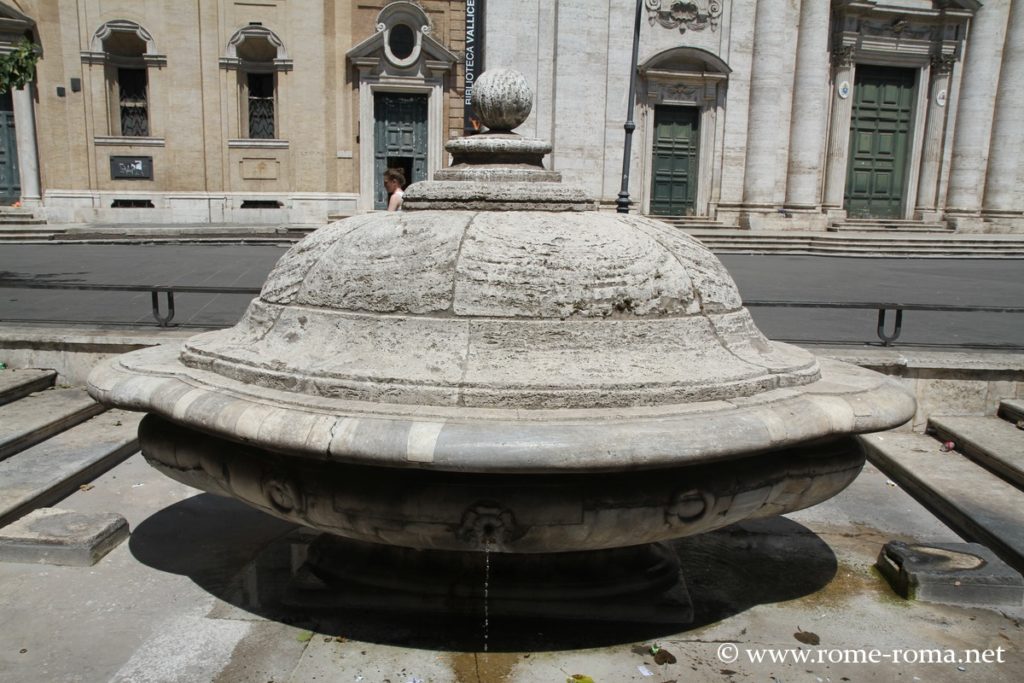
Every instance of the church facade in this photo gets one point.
(782, 114)
(263, 111)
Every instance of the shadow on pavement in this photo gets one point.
(256, 562)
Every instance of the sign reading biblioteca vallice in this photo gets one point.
(474, 61)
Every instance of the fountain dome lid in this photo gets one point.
(501, 323)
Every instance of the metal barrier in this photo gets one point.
(162, 319)
(883, 310)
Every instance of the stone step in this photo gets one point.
(989, 441)
(974, 502)
(863, 248)
(889, 226)
(47, 472)
(15, 384)
(37, 417)
(1011, 409)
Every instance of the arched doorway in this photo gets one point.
(684, 93)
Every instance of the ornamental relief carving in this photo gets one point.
(898, 28)
(695, 15)
(943, 64)
(682, 91)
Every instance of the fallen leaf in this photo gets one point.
(807, 637)
(86, 487)
(579, 678)
(305, 637)
(663, 656)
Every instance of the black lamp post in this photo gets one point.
(623, 201)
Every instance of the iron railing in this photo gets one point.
(164, 319)
(883, 311)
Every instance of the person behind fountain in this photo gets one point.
(394, 181)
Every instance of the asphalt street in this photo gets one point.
(773, 277)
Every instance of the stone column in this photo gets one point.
(28, 156)
(839, 127)
(810, 108)
(767, 92)
(934, 134)
(1002, 189)
(975, 108)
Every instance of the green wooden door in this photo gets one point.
(674, 190)
(10, 180)
(400, 139)
(879, 142)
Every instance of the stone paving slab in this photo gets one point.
(45, 473)
(991, 441)
(35, 418)
(15, 383)
(977, 503)
(62, 537)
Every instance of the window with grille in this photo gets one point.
(131, 85)
(261, 105)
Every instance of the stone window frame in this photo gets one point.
(239, 134)
(148, 60)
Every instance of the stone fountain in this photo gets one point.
(501, 367)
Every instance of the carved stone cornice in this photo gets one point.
(695, 15)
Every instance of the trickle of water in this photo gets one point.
(487, 588)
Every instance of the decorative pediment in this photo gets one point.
(402, 45)
(13, 21)
(256, 48)
(121, 40)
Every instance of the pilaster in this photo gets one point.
(839, 129)
(973, 130)
(810, 108)
(767, 92)
(28, 155)
(1003, 193)
(934, 136)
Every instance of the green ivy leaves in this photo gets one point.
(18, 67)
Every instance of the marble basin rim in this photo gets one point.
(846, 400)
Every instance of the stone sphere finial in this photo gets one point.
(502, 99)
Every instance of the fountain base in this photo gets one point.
(640, 584)
(527, 514)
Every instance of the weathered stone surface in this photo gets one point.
(991, 441)
(48, 471)
(502, 99)
(503, 439)
(55, 536)
(973, 501)
(514, 362)
(15, 384)
(500, 189)
(530, 513)
(37, 417)
(958, 573)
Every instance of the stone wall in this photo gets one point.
(774, 83)
(205, 165)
